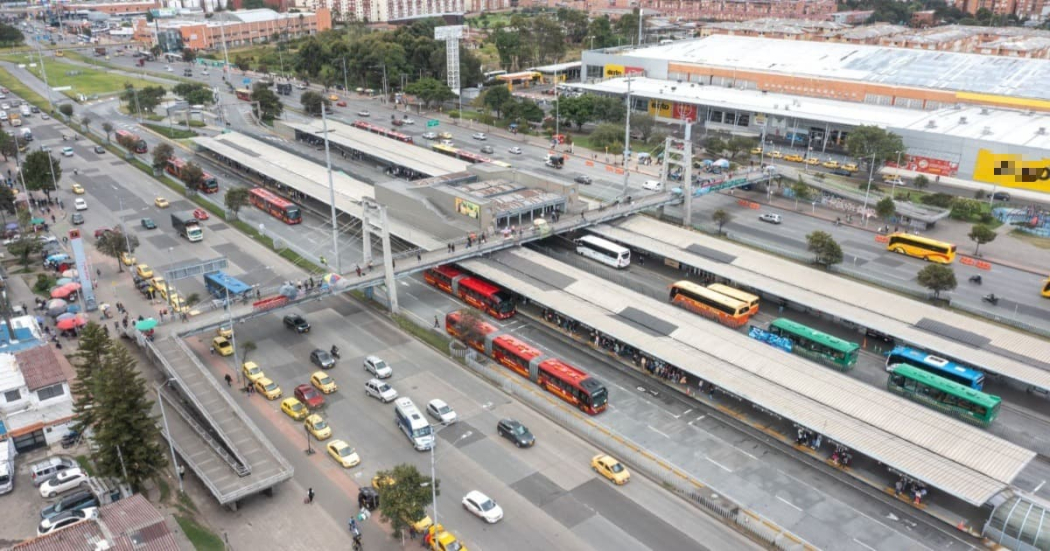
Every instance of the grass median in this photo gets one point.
(80, 79)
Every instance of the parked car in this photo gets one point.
(73, 502)
(63, 482)
(65, 520)
(46, 469)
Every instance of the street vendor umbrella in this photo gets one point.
(331, 279)
(66, 316)
(69, 273)
(61, 292)
(11, 226)
(56, 303)
(67, 324)
(74, 308)
(62, 281)
(146, 324)
(288, 290)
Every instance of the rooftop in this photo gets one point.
(27, 334)
(131, 524)
(10, 376)
(43, 366)
(984, 74)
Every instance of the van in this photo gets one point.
(27, 135)
(7, 466)
(45, 470)
(26, 111)
(411, 422)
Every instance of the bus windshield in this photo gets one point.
(599, 398)
(504, 303)
(293, 213)
(424, 431)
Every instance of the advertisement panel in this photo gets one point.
(466, 208)
(660, 108)
(685, 111)
(927, 165)
(613, 71)
(1011, 170)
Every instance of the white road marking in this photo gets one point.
(866, 546)
(657, 432)
(723, 467)
(796, 507)
(744, 452)
(1039, 487)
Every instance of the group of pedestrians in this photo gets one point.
(917, 490)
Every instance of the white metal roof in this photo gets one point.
(855, 302)
(413, 157)
(946, 453)
(309, 178)
(934, 69)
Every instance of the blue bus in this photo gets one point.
(938, 366)
(221, 285)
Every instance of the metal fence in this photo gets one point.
(714, 501)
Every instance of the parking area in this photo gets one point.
(20, 509)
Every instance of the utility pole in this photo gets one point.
(640, 19)
(225, 52)
(43, 71)
(557, 105)
(386, 92)
(346, 83)
(871, 174)
(627, 138)
(331, 190)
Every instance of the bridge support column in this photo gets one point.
(388, 262)
(679, 154)
(366, 233)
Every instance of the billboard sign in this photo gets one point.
(1011, 170)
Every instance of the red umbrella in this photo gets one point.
(67, 324)
(63, 291)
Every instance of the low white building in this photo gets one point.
(36, 405)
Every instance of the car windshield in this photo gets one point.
(346, 451)
(487, 505)
(616, 468)
(380, 364)
(297, 406)
(519, 430)
(384, 388)
(325, 381)
(309, 394)
(444, 409)
(320, 424)
(271, 386)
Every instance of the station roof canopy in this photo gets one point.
(558, 67)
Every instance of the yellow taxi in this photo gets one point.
(421, 525)
(317, 426)
(890, 178)
(343, 454)
(294, 408)
(225, 331)
(127, 259)
(379, 481)
(268, 388)
(144, 271)
(812, 161)
(58, 53)
(161, 286)
(610, 468)
(776, 155)
(333, 97)
(756, 150)
(77, 189)
(161, 202)
(830, 164)
(222, 346)
(177, 304)
(323, 382)
(445, 135)
(443, 540)
(852, 167)
(252, 371)
(793, 158)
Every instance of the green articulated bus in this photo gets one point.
(972, 406)
(816, 345)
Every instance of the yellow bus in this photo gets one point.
(446, 149)
(710, 304)
(1046, 288)
(731, 292)
(927, 249)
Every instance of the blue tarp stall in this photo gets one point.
(221, 285)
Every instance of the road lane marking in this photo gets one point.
(657, 432)
(723, 467)
(1039, 487)
(797, 508)
(864, 544)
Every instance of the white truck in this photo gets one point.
(187, 226)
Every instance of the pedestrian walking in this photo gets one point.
(358, 269)
(310, 495)
(229, 380)
(436, 323)
(182, 472)
(419, 257)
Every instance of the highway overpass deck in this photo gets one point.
(945, 453)
(275, 167)
(416, 159)
(985, 346)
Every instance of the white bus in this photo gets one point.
(413, 424)
(603, 251)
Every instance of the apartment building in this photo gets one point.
(237, 28)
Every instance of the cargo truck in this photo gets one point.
(187, 226)
(14, 118)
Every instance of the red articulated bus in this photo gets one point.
(556, 376)
(278, 207)
(475, 291)
(243, 94)
(131, 141)
(208, 183)
(376, 129)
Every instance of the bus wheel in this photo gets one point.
(898, 250)
(925, 259)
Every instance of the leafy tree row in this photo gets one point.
(10, 36)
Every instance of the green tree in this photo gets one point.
(826, 251)
(966, 209)
(981, 234)
(312, 102)
(523, 110)
(241, 63)
(92, 347)
(126, 432)
(189, 55)
(608, 136)
(496, 99)
(577, 110)
(865, 141)
(885, 208)
(10, 35)
(86, 121)
(937, 278)
(721, 217)
(430, 91)
(608, 108)
(7, 145)
(107, 127)
(643, 124)
(66, 109)
(147, 99)
(328, 76)
(192, 175)
(235, 199)
(41, 171)
(942, 200)
(161, 154)
(716, 146)
(27, 244)
(405, 495)
(801, 191)
(600, 33)
(194, 93)
(921, 181)
(269, 106)
(113, 244)
(7, 202)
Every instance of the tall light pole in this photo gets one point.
(871, 174)
(346, 83)
(557, 105)
(43, 71)
(225, 52)
(893, 188)
(331, 190)
(627, 138)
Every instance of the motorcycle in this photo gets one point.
(975, 279)
(334, 352)
(994, 300)
(72, 438)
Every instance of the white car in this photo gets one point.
(483, 507)
(67, 151)
(380, 390)
(514, 150)
(301, 86)
(441, 411)
(480, 136)
(430, 135)
(205, 72)
(363, 114)
(80, 204)
(65, 520)
(63, 482)
(376, 366)
(449, 143)
(770, 217)
(409, 121)
(653, 185)
(169, 69)
(5, 106)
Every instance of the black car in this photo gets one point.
(841, 172)
(322, 359)
(74, 502)
(297, 322)
(368, 498)
(76, 218)
(581, 179)
(148, 224)
(515, 432)
(1001, 196)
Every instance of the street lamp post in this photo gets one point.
(331, 191)
(627, 138)
(346, 82)
(43, 71)
(557, 105)
(893, 188)
(871, 174)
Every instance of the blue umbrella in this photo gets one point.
(73, 308)
(65, 316)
